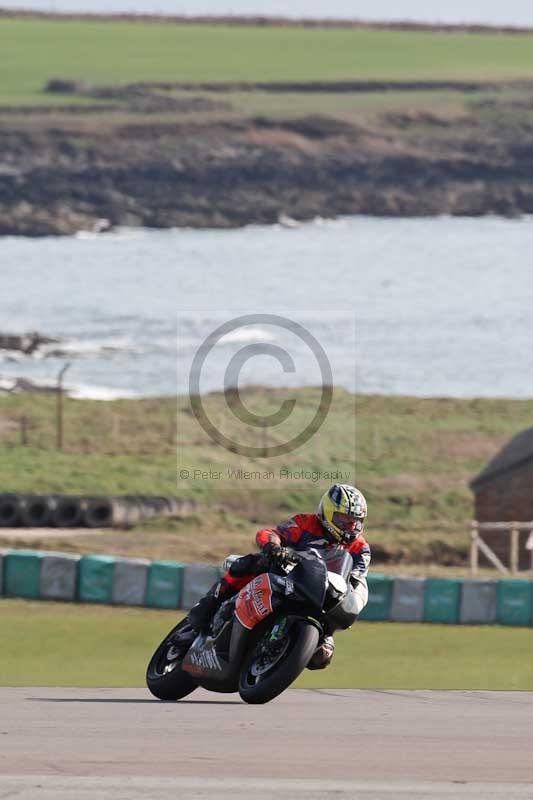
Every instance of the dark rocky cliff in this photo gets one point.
(228, 173)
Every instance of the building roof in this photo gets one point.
(518, 452)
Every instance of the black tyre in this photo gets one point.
(164, 676)
(268, 669)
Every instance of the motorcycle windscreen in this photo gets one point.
(254, 602)
(338, 560)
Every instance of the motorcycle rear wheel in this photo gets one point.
(164, 677)
(260, 681)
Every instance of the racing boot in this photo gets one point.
(322, 656)
(240, 571)
(203, 612)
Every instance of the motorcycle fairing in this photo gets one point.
(310, 579)
(254, 601)
(214, 659)
(209, 663)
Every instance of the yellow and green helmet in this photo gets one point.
(342, 512)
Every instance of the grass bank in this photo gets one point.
(34, 50)
(91, 646)
(412, 457)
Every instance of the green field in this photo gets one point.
(34, 50)
(49, 644)
(412, 457)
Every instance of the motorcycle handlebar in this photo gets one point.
(289, 557)
(285, 557)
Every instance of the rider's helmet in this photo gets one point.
(342, 511)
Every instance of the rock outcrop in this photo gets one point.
(26, 343)
(235, 171)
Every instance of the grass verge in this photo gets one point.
(412, 457)
(76, 645)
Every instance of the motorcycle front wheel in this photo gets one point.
(272, 665)
(164, 677)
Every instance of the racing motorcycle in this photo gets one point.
(261, 639)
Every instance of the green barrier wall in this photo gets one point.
(130, 581)
(514, 602)
(407, 600)
(379, 598)
(478, 601)
(22, 573)
(59, 576)
(442, 600)
(96, 579)
(445, 600)
(165, 584)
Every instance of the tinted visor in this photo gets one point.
(347, 523)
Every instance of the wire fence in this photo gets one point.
(54, 422)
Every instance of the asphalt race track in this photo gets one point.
(95, 744)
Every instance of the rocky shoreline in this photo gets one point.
(58, 177)
(26, 343)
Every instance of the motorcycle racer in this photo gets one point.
(339, 520)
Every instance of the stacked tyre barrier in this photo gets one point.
(113, 580)
(71, 511)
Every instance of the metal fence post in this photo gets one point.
(474, 549)
(60, 406)
(514, 543)
(24, 430)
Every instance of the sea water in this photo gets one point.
(427, 307)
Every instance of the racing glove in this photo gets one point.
(276, 552)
